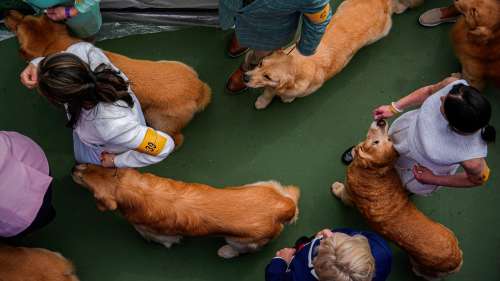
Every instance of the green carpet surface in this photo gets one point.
(231, 143)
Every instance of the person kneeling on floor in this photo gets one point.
(339, 254)
(25, 186)
(108, 124)
(450, 130)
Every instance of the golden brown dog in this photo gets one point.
(170, 92)
(355, 24)
(476, 40)
(34, 264)
(163, 210)
(374, 187)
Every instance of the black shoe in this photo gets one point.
(347, 156)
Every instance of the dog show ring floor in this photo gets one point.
(231, 143)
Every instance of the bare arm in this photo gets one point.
(475, 173)
(415, 98)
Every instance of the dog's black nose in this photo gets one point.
(381, 123)
(246, 78)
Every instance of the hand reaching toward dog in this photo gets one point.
(382, 112)
(286, 254)
(29, 76)
(59, 13)
(423, 174)
(108, 160)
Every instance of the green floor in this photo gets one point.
(231, 143)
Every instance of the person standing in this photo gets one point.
(262, 26)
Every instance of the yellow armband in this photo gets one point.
(320, 16)
(153, 143)
(485, 175)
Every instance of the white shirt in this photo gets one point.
(115, 127)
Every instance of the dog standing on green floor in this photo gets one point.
(163, 210)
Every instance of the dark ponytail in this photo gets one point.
(65, 79)
(468, 111)
(489, 134)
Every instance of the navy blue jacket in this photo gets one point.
(301, 267)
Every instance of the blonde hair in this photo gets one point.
(344, 258)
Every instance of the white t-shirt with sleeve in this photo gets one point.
(115, 127)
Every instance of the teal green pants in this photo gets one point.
(84, 25)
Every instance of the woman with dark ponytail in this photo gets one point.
(107, 121)
(450, 129)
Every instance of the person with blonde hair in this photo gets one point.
(333, 255)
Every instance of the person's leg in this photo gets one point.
(236, 82)
(438, 16)
(86, 25)
(234, 48)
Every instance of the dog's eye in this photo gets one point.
(267, 77)
(376, 142)
(260, 63)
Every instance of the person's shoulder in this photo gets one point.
(110, 119)
(112, 110)
(80, 46)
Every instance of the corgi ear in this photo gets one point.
(284, 82)
(362, 158)
(12, 20)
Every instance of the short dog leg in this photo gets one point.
(235, 247)
(168, 241)
(398, 7)
(179, 140)
(287, 100)
(165, 240)
(227, 252)
(339, 190)
(143, 233)
(265, 99)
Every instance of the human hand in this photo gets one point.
(108, 160)
(57, 13)
(423, 174)
(325, 233)
(286, 254)
(29, 76)
(382, 112)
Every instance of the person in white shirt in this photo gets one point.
(450, 130)
(107, 121)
